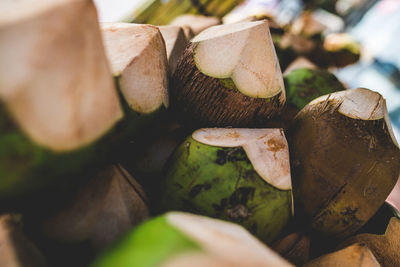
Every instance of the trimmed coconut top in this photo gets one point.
(197, 23)
(267, 150)
(55, 80)
(243, 52)
(173, 36)
(228, 242)
(175, 43)
(362, 104)
(137, 55)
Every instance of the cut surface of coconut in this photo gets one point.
(362, 104)
(138, 58)
(55, 74)
(267, 150)
(197, 23)
(175, 43)
(243, 52)
(227, 241)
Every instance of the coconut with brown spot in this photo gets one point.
(179, 239)
(56, 92)
(239, 175)
(229, 75)
(345, 160)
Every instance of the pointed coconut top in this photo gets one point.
(362, 104)
(267, 150)
(137, 56)
(55, 80)
(175, 42)
(231, 244)
(243, 52)
(197, 23)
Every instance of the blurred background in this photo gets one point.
(375, 24)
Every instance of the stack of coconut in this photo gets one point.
(192, 131)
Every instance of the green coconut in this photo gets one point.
(138, 60)
(345, 160)
(51, 89)
(239, 175)
(182, 239)
(304, 85)
(219, 81)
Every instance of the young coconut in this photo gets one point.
(179, 239)
(355, 255)
(219, 81)
(139, 64)
(304, 85)
(175, 42)
(108, 205)
(239, 175)
(385, 247)
(16, 249)
(345, 160)
(197, 23)
(54, 79)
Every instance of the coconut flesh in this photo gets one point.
(337, 188)
(265, 149)
(175, 43)
(242, 52)
(53, 83)
(138, 60)
(223, 244)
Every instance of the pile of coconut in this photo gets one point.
(126, 144)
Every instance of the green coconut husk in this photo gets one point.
(221, 182)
